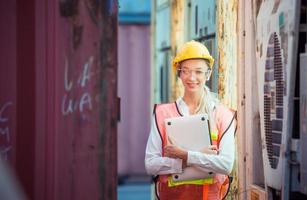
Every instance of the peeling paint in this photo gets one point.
(258, 4)
(276, 5)
(177, 39)
(227, 51)
(69, 9)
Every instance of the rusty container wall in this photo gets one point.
(76, 145)
(58, 97)
(85, 100)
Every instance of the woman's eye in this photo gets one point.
(199, 72)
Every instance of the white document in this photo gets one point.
(191, 133)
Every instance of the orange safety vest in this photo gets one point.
(219, 187)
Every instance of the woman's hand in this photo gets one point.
(173, 151)
(212, 149)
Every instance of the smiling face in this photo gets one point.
(193, 73)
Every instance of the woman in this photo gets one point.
(193, 65)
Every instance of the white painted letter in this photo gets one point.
(2, 118)
(85, 99)
(69, 106)
(67, 85)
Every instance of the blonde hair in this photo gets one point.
(207, 104)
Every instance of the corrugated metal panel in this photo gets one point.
(8, 81)
(58, 97)
(201, 17)
(227, 51)
(85, 100)
(25, 108)
(162, 53)
(163, 26)
(134, 91)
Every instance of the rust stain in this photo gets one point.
(227, 34)
(93, 8)
(108, 99)
(68, 8)
(258, 4)
(77, 35)
(276, 5)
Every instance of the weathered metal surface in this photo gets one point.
(134, 90)
(227, 51)
(250, 167)
(83, 149)
(177, 39)
(227, 56)
(84, 146)
(109, 109)
(25, 108)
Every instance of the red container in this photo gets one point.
(58, 97)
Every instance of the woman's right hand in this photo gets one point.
(212, 149)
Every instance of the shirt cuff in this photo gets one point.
(192, 158)
(177, 165)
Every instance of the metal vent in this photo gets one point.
(273, 100)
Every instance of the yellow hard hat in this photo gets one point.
(192, 50)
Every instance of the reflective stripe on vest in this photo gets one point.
(171, 183)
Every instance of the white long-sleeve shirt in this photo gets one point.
(221, 163)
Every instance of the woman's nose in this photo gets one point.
(192, 76)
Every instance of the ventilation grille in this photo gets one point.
(273, 100)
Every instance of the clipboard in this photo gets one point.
(191, 133)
